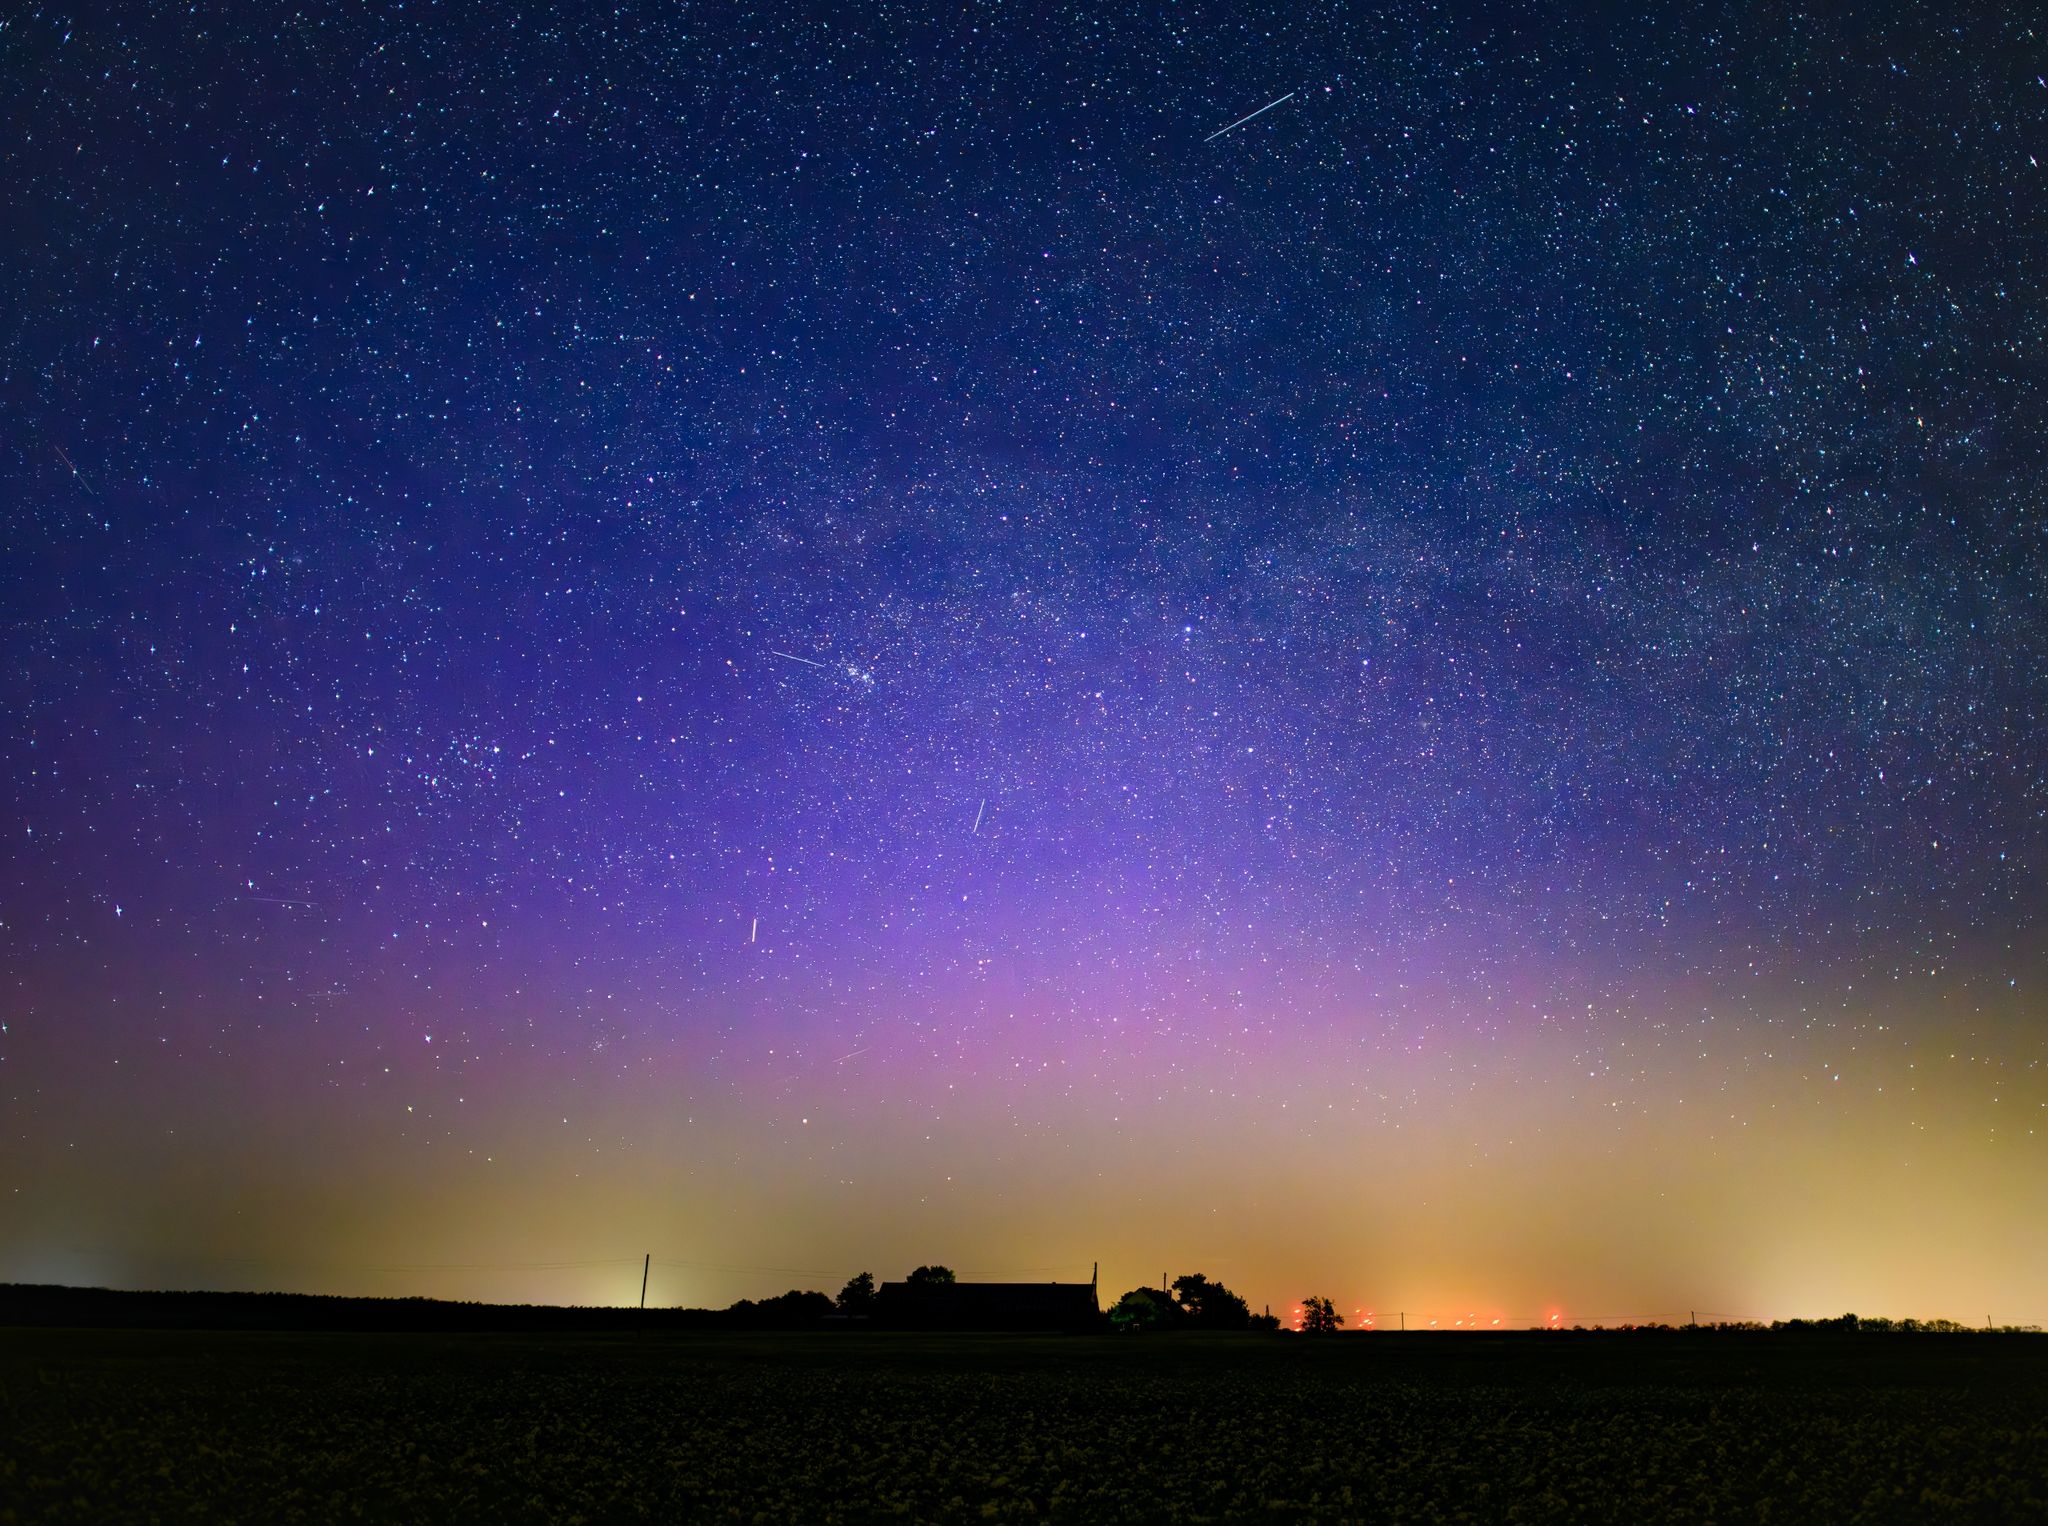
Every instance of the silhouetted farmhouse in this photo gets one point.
(1047, 1307)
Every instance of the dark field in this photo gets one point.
(99, 1426)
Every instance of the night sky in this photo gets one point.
(819, 644)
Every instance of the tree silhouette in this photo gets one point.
(1145, 1309)
(1210, 1305)
(1319, 1316)
(924, 1276)
(858, 1296)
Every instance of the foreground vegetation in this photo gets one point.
(186, 1426)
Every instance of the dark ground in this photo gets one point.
(115, 1425)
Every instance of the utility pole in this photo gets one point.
(645, 1266)
(1404, 1321)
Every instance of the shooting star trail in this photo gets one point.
(977, 816)
(792, 657)
(1219, 132)
(754, 932)
(77, 475)
(845, 1057)
(277, 900)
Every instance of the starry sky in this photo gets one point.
(806, 643)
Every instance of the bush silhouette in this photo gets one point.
(1145, 1309)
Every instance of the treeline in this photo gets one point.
(1841, 1323)
(48, 1305)
(1844, 1322)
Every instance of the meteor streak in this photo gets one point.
(1219, 132)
